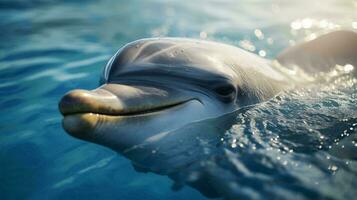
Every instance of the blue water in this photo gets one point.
(301, 144)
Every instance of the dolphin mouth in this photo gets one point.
(79, 124)
(121, 100)
(155, 109)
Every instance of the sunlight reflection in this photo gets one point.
(308, 23)
(354, 25)
(259, 34)
(348, 68)
(247, 45)
(262, 53)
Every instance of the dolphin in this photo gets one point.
(151, 86)
(159, 99)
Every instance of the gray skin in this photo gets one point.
(159, 99)
(152, 86)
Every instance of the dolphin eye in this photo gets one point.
(225, 90)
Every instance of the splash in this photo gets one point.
(302, 142)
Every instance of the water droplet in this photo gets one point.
(311, 37)
(348, 68)
(246, 44)
(333, 167)
(203, 35)
(259, 34)
(262, 53)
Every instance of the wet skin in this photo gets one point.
(156, 93)
(152, 86)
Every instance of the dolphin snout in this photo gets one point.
(116, 99)
(85, 101)
(81, 109)
(89, 112)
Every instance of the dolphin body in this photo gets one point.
(160, 99)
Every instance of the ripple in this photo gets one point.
(33, 53)
(300, 144)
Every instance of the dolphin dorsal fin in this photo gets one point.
(323, 53)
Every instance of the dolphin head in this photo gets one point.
(146, 90)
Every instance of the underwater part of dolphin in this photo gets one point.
(154, 93)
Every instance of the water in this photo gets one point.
(300, 144)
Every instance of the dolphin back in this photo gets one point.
(323, 53)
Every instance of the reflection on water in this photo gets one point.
(49, 47)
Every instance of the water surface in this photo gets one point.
(301, 144)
